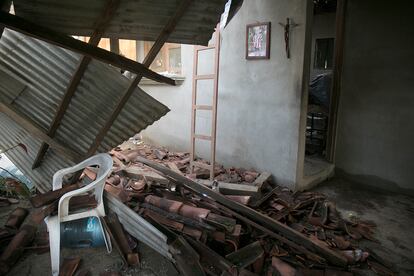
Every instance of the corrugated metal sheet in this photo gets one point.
(134, 19)
(138, 227)
(10, 132)
(33, 80)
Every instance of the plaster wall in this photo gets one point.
(259, 100)
(375, 121)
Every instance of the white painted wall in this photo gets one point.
(259, 101)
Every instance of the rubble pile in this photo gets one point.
(239, 223)
(216, 238)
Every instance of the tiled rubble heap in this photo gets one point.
(173, 208)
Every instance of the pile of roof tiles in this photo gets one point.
(207, 237)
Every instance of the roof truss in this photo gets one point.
(34, 30)
(162, 38)
(101, 24)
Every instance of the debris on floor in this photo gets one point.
(242, 223)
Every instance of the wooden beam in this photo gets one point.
(337, 76)
(162, 38)
(39, 32)
(100, 26)
(273, 225)
(38, 132)
(114, 45)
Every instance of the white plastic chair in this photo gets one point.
(104, 161)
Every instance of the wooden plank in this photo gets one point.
(237, 189)
(269, 223)
(262, 178)
(38, 132)
(162, 38)
(337, 76)
(215, 99)
(101, 24)
(39, 32)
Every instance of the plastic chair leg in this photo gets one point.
(106, 237)
(53, 227)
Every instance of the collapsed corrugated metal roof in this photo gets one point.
(33, 79)
(35, 75)
(137, 20)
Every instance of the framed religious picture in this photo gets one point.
(258, 41)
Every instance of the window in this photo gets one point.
(168, 60)
(324, 48)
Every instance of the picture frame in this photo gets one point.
(258, 41)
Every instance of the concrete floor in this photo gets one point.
(393, 214)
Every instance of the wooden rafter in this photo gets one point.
(100, 26)
(162, 38)
(34, 30)
(36, 131)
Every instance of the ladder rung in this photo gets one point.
(201, 165)
(203, 107)
(203, 48)
(203, 137)
(205, 77)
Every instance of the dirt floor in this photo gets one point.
(393, 214)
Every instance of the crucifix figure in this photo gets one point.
(288, 26)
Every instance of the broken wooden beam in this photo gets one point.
(121, 240)
(237, 189)
(273, 225)
(32, 29)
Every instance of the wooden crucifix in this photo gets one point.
(288, 26)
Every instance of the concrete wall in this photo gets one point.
(376, 128)
(259, 101)
(323, 27)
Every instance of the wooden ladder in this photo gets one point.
(212, 108)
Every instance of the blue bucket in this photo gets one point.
(81, 233)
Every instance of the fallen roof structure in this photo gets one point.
(56, 93)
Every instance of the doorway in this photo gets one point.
(322, 103)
